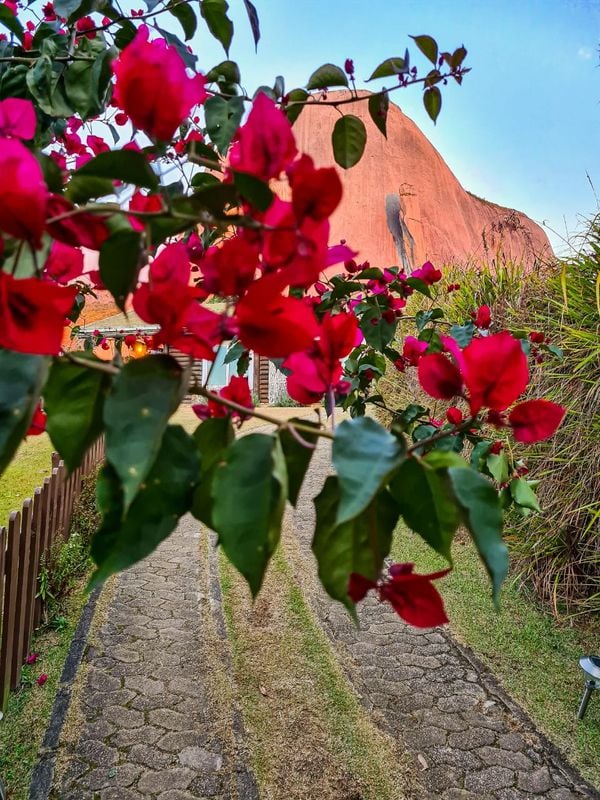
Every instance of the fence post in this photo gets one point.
(33, 571)
(20, 619)
(10, 605)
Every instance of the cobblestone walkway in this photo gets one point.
(467, 738)
(143, 722)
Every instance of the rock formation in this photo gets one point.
(402, 184)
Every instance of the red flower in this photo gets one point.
(64, 264)
(482, 318)
(316, 193)
(238, 391)
(229, 269)
(428, 274)
(32, 658)
(97, 144)
(130, 339)
(36, 426)
(412, 596)
(85, 26)
(265, 145)
(535, 420)
(169, 301)
(17, 118)
(42, 679)
(23, 193)
(81, 229)
(495, 371)
(145, 203)
(496, 447)
(412, 350)
(349, 66)
(536, 337)
(314, 372)
(153, 88)
(274, 325)
(32, 314)
(454, 415)
(439, 377)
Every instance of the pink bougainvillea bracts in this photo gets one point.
(23, 193)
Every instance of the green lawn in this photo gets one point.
(534, 656)
(28, 470)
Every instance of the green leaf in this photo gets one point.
(10, 21)
(144, 395)
(419, 286)
(74, 399)
(227, 71)
(51, 171)
(296, 101)
(87, 82)
(428, 46)
(482, 514)
(297, 457)
(121, 165)
(189, 59)
(21, 380)
(349, 138)
(125, 34)
(66, 8)
(462, 334)
(253, 190)
(120, 261)
(364, 456)
(204, 180)
(326, 76)
(426, 502)
(162, 500)
(254, 22)
(423, 317)
(186, 16)
(377, 331)
(432, 100)
(45, 85)
(479, 452)
(223, 118)
(212, 438)
(497, 465)
(249, 491)
(214, 13)
(391, 66)
(359, 545)
(378, 109)
(523, 494)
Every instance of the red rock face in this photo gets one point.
(403, 184)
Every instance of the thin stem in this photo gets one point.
(435, 437)
(99, 366)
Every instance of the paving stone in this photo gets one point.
(145, 734)
(470, 739)
(143, 685)
(489, 779)
(149, 756)
(199, 759)
(537, 782)
(101, 681)
(511, 741)
(154, 783)
(172, 742)
(97, 753)
(172, 720)
(494, 756)
(123, 717)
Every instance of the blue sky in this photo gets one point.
(524, 128)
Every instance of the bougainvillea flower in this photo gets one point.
(412, 596)
(32, 658)
(32, 314)
(535, 420)
(412, 350)
(316, 193)
(23, 193)
(78, 230)
(229, 269)
(36, 426)
(439, 376)
(144, 203)
(316, 371)
(272, 324)
(454, 415)
(482, 317)
(169, 301)
(265, 144)
(17, 118)
(143, 71)
(238, 391)
(64, 264)
(427, 273)
(42, 679)
(495, 371)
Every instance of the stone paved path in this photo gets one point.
(436, 699)
(144, 723)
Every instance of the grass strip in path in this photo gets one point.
(533, 656)
(309, 736)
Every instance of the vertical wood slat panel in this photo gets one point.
(10, 605)
(20, 624)
(33, 571)
(44, 520)
(2, 565)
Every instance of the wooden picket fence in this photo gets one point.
(25, 544)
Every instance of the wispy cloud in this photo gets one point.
(585, 53)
